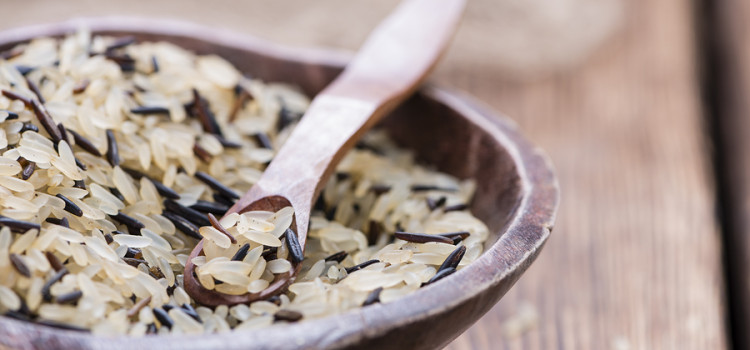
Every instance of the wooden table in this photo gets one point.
(612, 91)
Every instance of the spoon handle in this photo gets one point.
(388, 68)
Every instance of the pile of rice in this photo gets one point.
(114, 152)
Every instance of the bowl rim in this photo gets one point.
(503, 262)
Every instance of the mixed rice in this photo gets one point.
(114, 153)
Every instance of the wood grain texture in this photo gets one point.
(634, 261)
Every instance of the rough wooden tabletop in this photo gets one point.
(611, 90)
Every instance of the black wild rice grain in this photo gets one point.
(70, 207)
(84, 143)
(331, 212)
(217, 225)
(194, 216)
(373, 297)
(126, 63)
(154, 65)
(149, 110)
(81, 87)
(160, 187)
(204, 114)
(453, 259)
(120, 43)
(422, 237)
(80, 184)
(116, 193)
(27, 126)
(163, 317)
(65, 326)
(286, 117)
(18, 225)
(113, 155)
(18, 316)
(440, 275)
(216, 185)
(423, 188)
(239, 102)
(287, 315)
(54, 261)
(8, 114)
(275, 299)
(373, 232)
(380, 189)
(138, 306)
(134, 262)
(190, 311)
(453, 235)
(361, 266)
(35, 89)
(201, 153)
(295, 249)
(80, 164)
(24, 69)
(64, 134)
(61, 222)
(434, 204)
(210, 207)
(108, 238)
(24, 309)
(320, 204)
(28, 170)
(183, 225)
(131, 252)
(19, 265)
(457, 207)
(46, 296)
(14, 96)
(241, 253)
(227, 143)
(361, 145)
(49, 125)
(337, 257)
(269, 253)
(342, 175)
(263, 140)
(151, 328)
(69, 298)
(156, 273)
(223, 200)
(128, 221)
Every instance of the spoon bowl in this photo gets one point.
(517, 198)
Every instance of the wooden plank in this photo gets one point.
(634, 262)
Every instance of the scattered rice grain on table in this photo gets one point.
(115, 152)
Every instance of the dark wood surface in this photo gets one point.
(611, 91)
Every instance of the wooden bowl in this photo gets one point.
(517, 197)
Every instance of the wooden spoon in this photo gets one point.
(389, 67)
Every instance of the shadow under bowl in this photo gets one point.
(517, 197)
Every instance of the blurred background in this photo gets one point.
(639, 105)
